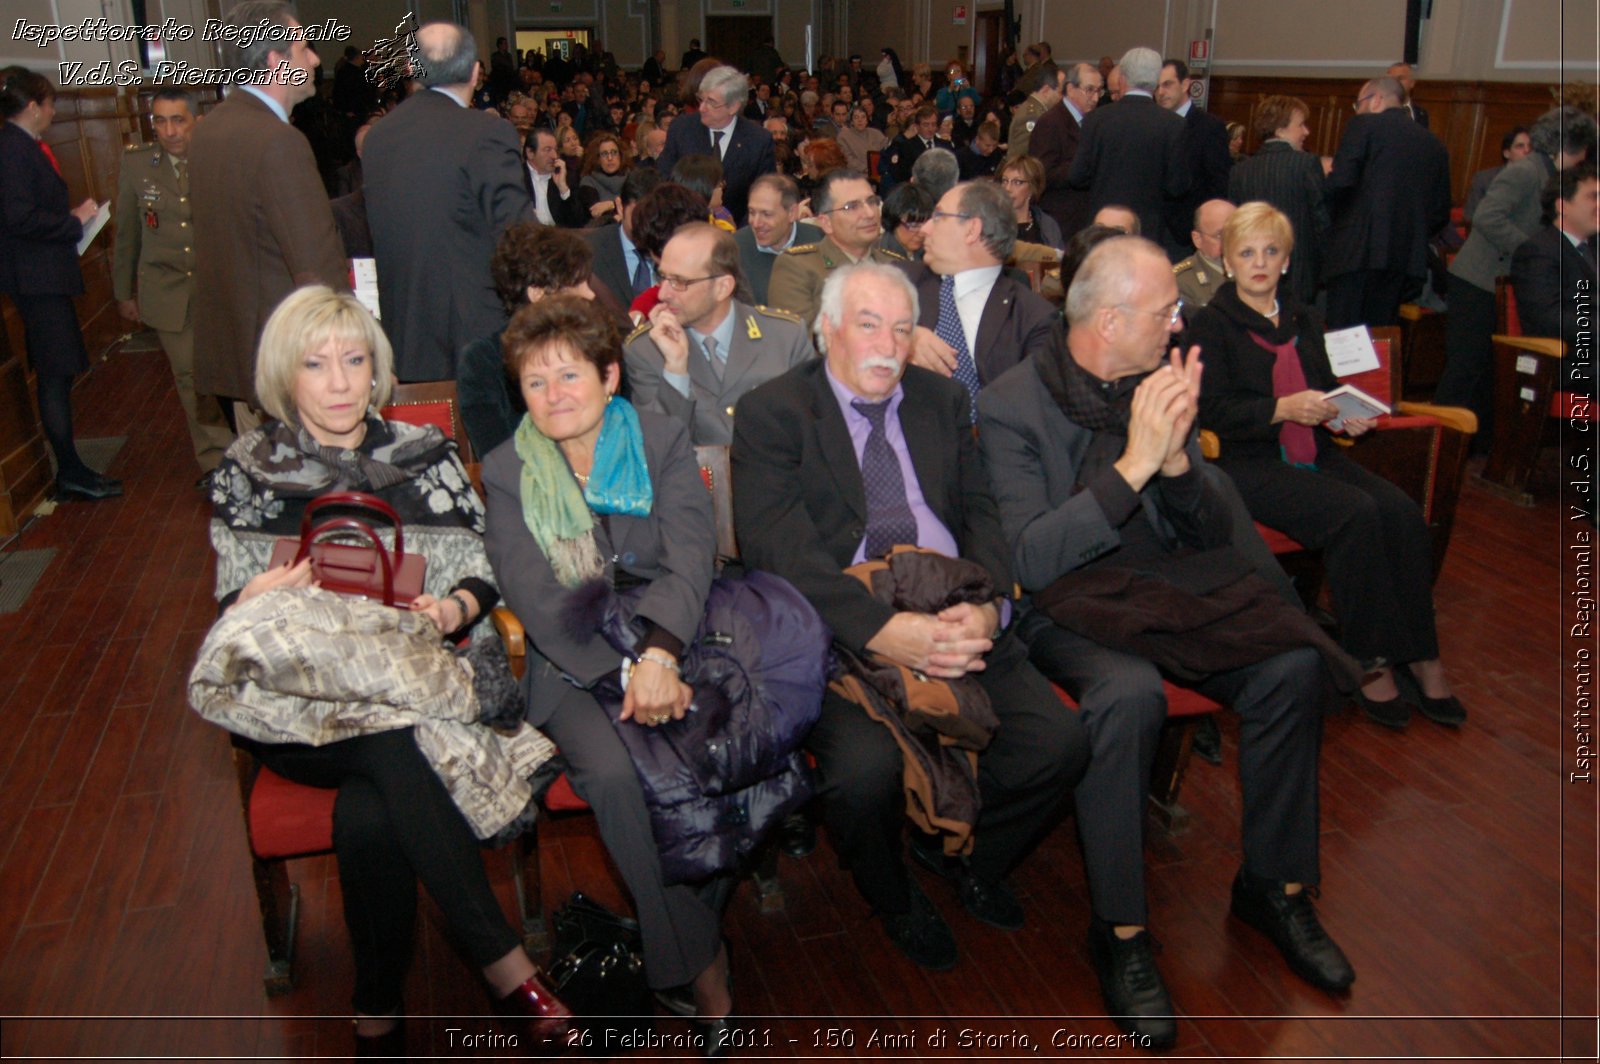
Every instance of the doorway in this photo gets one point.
(551, 42)
(735, 38)
(989, 33)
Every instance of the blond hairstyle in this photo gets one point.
(1257, 218)
(306, 319)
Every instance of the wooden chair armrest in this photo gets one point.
(1210, 445)
(1455, 417)
(1548, 346)
(514, 638)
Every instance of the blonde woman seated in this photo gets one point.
(1266, 369)
(323, 370)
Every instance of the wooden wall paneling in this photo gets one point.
(1468, 116)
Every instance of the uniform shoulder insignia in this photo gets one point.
(1186, 264)
(644, 327)
(800, 249)
(137, 147)
(895, 255)
(779, 313)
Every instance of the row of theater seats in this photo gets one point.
(1422, 448)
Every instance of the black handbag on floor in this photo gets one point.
(598, 966)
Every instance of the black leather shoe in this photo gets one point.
(1208, 739)
(921, 933)
(1136, 998)
(1290, 920)
(87, 488)
(985, 900)
(1447, 711)
(679, 1000)
(1391, 712)
(797, 835)
(714, 1037)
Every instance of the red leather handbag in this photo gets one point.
(366, 570)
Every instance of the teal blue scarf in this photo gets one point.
(560, 517)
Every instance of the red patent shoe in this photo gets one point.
(548, 1017)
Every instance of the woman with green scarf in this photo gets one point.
(588, 490)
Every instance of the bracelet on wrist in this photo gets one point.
(660, 657)
(461, 604)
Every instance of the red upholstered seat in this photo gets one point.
(289, 819)
(1181, 702)
(1277, 542)
(561, 798)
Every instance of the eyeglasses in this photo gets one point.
(1356, 107)
(712, 101)
(913, 223)
(1171, 315)
(681, 284)
(609, 153)
(871, 203)
(936, 215)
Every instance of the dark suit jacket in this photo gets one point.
(262, 228)
(568, 213)
(442, 183)
(610, 264)
(674, 548)
(1054, 143)
(800, 506)
(1051, 525)
(1477, 189)
(1206, 155)
(1553, 281)
(1016, 321)
(904, 152)
(1389, 192)
(1131, 153)
(38, 234)
(1291, 181)
(749, 155)
(758, 264)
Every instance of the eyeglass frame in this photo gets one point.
(937, 214)
(1356, 107)
(1175, 317)
(873, 202)
(683, 284)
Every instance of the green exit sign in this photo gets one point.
(555, 6)
(738, 3)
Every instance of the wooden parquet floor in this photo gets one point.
(1459, 866)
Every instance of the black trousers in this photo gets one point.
(56, 352)
(1037, 756)
(1468, 377)
(394, 823)
(1368, 297)
(1122, 705)
(1374, 543)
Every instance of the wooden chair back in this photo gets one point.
(431, 403)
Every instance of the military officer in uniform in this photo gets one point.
(1045, 88)
(850, 215)
(153, 264)
(703, 347)
(1201, 274)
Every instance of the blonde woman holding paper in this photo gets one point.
(1266, 374)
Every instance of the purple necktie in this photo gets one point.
(889, 518)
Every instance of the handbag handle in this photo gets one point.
(350, 524)
(358, 500)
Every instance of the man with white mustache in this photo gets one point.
(834, 463)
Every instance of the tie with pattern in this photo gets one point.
(889, 517)
(949, 329)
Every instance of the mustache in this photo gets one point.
(877, 362)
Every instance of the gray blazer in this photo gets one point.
(1033, 452)
(1507, 217)
(674, 548)
(766, 344)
